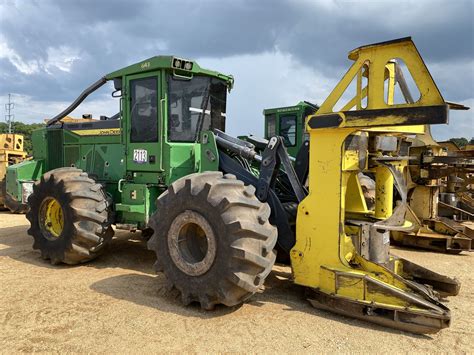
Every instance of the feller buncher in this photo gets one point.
(11, 152)
(438, 182)
(217, 219)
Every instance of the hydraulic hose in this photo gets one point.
(77, 101)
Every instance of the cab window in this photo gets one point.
(144, 112)
(195, 105)
(271, 125)
(288, 129)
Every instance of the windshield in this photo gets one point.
(195, 105)
(288, 129)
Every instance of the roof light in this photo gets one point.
(178, 63)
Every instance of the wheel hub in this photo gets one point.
(51, 218)
(192, 243)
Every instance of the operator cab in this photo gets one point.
(195, 97)
(164, 103)
(289, 123)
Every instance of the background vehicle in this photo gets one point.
(12, 152)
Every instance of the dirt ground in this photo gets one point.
(117, 304)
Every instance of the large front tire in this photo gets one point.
(69, 216)
(212, 239)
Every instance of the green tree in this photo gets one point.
(460, 142)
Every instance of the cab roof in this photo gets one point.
(180, 66)
(302, 105)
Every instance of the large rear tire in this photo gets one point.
(69, 216)
(212, 239)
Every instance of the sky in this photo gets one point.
(279, 51)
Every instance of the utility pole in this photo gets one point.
(9, 116)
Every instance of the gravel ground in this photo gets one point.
(117, 304)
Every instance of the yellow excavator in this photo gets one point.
(11, 152)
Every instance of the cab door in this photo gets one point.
(143, 136)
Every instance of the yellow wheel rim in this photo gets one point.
(51, 218)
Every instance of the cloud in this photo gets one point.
(461, 124)
(24, 67)
(51, 50)
(29, 110)
(266, 80)
(61, 58)
(455, 79)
